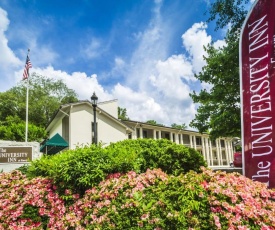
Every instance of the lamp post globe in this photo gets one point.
(94, 99)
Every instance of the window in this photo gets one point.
(185, 139)
(138, 132)
(145, 135)
(198, 140)
(213, 143)
(222, 143)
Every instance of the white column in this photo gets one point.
(210, 153)
(194, 142)
(191, 141)
(227, 152)
(181, 139)
(177, 138)
(218, 147)
(203, 147)
(171, 136)
(230, 151)
(154, 134)
(207, 158)
(141, 132)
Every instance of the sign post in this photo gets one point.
(257, 85)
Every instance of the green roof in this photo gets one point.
(54, 145)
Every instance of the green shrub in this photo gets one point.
(85, 167)
(77, 169)
(141, 154)
(172, 158)
(152, 200)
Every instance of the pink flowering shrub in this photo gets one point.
(238, 202)
(150, 200)
(29, 204)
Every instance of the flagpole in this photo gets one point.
(27, 111)
(27, 104)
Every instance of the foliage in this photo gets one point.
(31, 204)
(238, 202)
(122, 114)
(150, 200)
(45, 96)
(85, 167)
(170, 157)
(219, 108)
(77, 169)
(13, 128)
(153, 122)
(228, 12)
(176, 126)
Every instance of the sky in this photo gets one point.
(144, 53)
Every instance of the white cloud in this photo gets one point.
(170, 73)
(93, 49)
(193, 40)
(9, 61)
(140, 106)
(83, 85)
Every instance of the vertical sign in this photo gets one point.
(257, 85)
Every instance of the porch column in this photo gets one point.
(207, 150)
(141, 132)
(203, 147)
(154, 134)
(177, 138)
(191, 141)
(218, 147)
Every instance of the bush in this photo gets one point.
(141, 154)
(77, 169)
(82, 168)
(29, 204)
(150, 200)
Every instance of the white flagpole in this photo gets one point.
(27, 105)
(27, 111)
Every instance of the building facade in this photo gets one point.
(74, 122)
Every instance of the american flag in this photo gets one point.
(27, 66)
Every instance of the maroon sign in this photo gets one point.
(257, 79)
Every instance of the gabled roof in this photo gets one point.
(65, 109)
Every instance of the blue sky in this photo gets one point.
(142, 52)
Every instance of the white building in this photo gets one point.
(74, 122)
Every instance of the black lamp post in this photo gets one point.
(94, 103)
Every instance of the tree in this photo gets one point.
(153, 122)
(122, 114)
(176, 126)
(45, 97)
(13, 129)
(219, 108)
